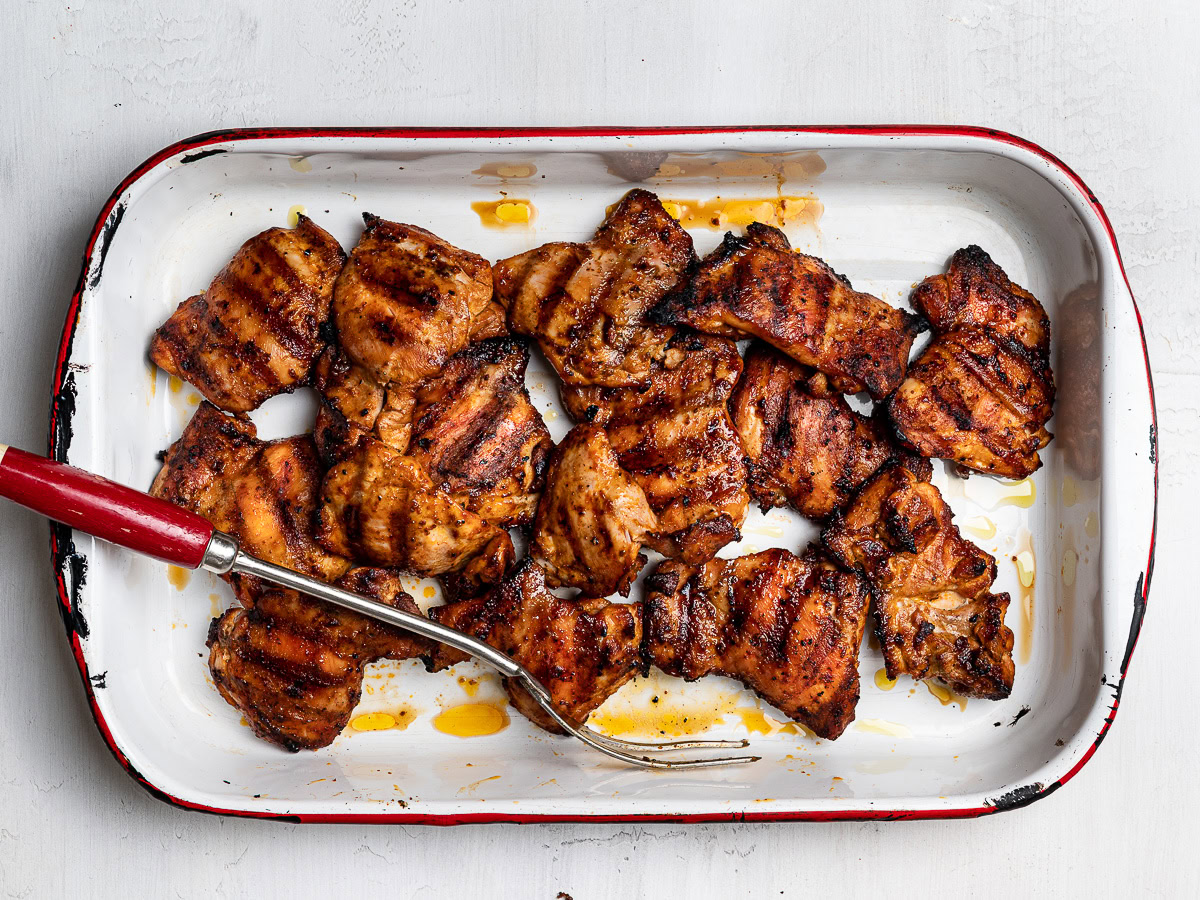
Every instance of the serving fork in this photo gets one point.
(137, 521)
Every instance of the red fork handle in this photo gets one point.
(110, 511)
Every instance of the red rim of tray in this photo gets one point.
(62, 410)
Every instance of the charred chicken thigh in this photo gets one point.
(381, 506)
(406, 301)
(789, 627)
(758, 286)
(256, 331)
(936, 615)
(264, 492)
(585, 304)
(804, 445)
(675, 437)
(592, 519)
(294, 666)
(982, 392)
(581, 650)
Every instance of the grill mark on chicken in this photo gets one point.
(255, 332)
(405, 302)
(675, 437)
(592, 518)
(982, 392)
(585, 304)
(787, 627)
(380, 506)
(936, 615)
(298, 339)
(758, 286)
(478, 434)
(582, 651)
(294, 666)
(804, 445)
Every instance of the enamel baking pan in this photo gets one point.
(884, 205)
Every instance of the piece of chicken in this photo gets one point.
(982, 392)
(294, 666)
(789, 627)
(291, 664)
(974, 292)
(406, 301)
(804, 445)
(490, 322)
(675, 437)
(263, 492)
(381, 506)
(585, 304)
(256, 331)
(580, 650)
(936, 615)
(592, 518)
(479, 436)
(758, 286)
(972, 398)
(472, 427)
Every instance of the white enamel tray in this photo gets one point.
(887, 206)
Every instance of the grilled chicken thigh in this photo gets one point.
(804, 445)
(380, 506)
(294, 666)
(585, 303)
(406, 301)
(787, 626)
(936, 615)
(974, 292)
(478, 435)
(592, 519)
(472, 427)
(262, 492)
(675, 437)
(982, 392)
(256, 331)
(758, 286)
(582, 650)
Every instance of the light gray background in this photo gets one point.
(88, 91)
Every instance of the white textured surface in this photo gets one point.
(89, 92)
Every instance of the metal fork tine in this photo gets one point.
(606, 745)
(666, 746)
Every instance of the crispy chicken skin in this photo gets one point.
(405, 302)
(758, 286)
(256, 331)
(936, 615)
(804, 445)
(262, 492)
(294, 666)
(789, 627)
(982, 392)
(478, 435)
(581, 650)
(380, 506)
(592, 519)
(585, 304)
(675, 437)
